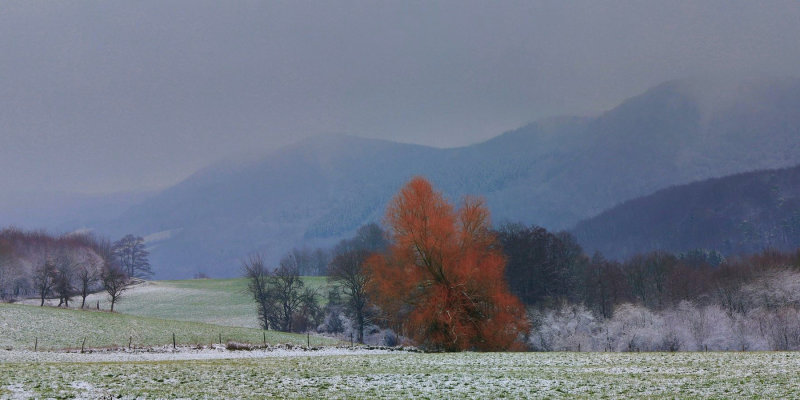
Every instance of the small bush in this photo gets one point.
(233, 346)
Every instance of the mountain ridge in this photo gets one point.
(554, 173)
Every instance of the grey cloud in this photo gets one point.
(102, 96)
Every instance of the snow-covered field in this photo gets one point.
(343, 373)
(180, 353)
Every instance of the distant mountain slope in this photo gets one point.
(742, 213)
(553, 173)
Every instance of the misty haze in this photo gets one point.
(449, 199)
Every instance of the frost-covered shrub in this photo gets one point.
(635, 328)
(701, 327)
(763, 314)
(776, 289)
(780, 328)
(685, 327)
(566, 328)
(334, 322)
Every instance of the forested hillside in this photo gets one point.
(739, 214)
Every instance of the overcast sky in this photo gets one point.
(107, 96)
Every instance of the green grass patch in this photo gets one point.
(214, 301)
(56, 328)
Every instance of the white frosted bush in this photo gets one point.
(566, 328)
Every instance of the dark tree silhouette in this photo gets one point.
(88, 273)
(132, 256)
(258, 279)
(541, 265)
(347, 270)
(64, 278)
(283, 302)
(44, 277)
(115, 282)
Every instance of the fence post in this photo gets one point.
(173, 340)
(220, 338)
(351, 339)
(308, 339)
(35, 343)
(265, 339)
(130, 340)
(83, 344)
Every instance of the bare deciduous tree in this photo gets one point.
(88, 273)
(64, 284)
(286, 286)
(347, 270)
(44, 278)
(115, 282)
(258, 285)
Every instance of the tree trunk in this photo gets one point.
(361, 328)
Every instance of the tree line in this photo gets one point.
(35, 263)
(442, 278)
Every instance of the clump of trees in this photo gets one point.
(541, 265)
(283, 301)
(67, 266)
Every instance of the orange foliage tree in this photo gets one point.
(441, 282)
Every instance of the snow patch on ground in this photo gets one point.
(167, 353)
(18, 391)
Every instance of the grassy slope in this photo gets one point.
(460, 375)
(58, 328)
(215, 301)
